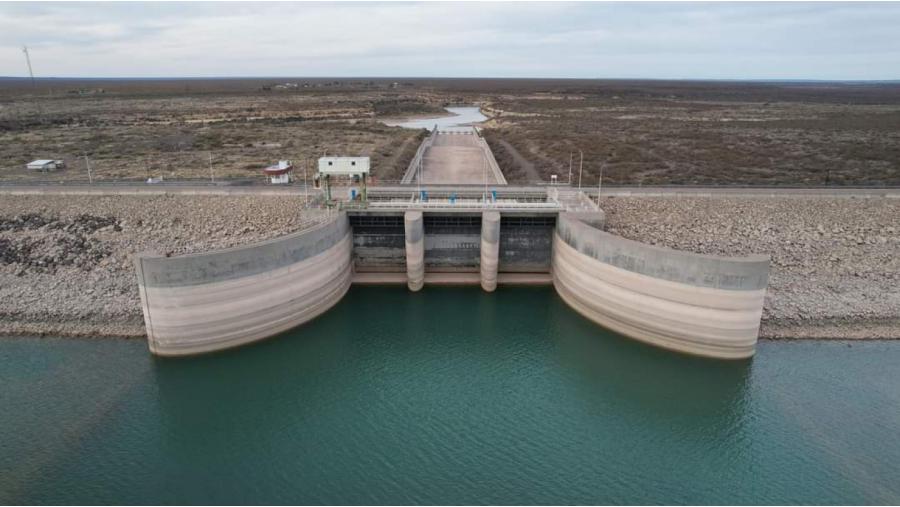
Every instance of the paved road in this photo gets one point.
(144, 189)
(199, 189)
(743, 192)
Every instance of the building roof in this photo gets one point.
(344, 165)
(41, 162)
(275, 170)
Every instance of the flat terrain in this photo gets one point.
(186, 134)
(720, 135)
(640, 132)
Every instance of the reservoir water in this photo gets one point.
(461, 117)
(450, 395)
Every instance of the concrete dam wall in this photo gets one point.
(697, 304)
(216, 300)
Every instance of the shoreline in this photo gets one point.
(419, 116)
(66, 261)
(398, 122)
(812, 330)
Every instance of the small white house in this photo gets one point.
(356, 168)
(344, 166)
(281, 173)
(45, 165)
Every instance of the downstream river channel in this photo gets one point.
(448, 396)
(460, 117)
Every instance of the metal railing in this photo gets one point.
(453, 204)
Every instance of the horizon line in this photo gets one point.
(687, 79)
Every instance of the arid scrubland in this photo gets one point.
(757, 135)
(640, 132)
(132, 135)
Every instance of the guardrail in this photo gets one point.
(455, 205)
(413, 166)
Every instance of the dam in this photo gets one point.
(443, 226)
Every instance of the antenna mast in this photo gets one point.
(28, 60)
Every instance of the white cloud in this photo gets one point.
(705, 40)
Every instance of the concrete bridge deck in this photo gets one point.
(454, 157)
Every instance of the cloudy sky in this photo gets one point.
(606, 40)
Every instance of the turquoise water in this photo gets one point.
(448, 396)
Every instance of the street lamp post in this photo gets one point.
(484, 176)
(569, 182)
(600, 183)
(87, 162)
(580, 167)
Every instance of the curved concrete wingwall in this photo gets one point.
(698, 304)
(216, 300)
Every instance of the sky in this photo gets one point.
(850, 41)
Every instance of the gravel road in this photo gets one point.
(835, 260)
(66, 261)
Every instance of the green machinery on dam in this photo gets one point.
(691, 303)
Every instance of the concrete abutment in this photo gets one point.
(696, 304)
(216, 300)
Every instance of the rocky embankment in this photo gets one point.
(66, 263)
(835, 269)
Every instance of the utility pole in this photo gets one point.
(28, 61)
(212, 176)
(580, 167)
(600, 183)
(305, 184)
(484, 176)
(419, 178)
(569, 182)
(87, 162)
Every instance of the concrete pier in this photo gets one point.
(414, 226)
(490, 249)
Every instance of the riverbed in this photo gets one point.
(449, 396)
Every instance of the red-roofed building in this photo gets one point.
(280, 173)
